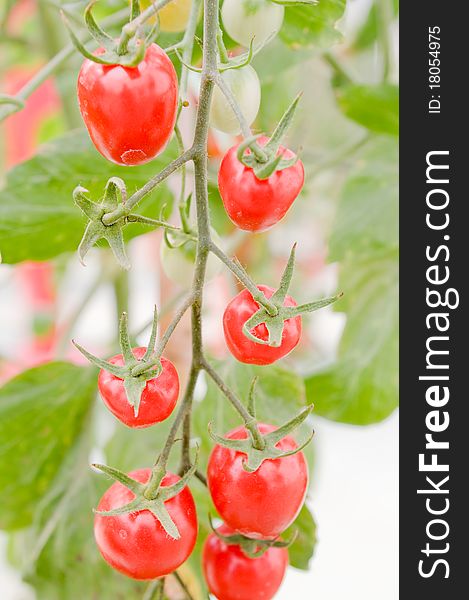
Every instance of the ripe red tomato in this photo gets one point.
(129, 112)
(158, 398)
(238, 311)
(256, 204)
(231, 575)
(260, 505)
(136, 543)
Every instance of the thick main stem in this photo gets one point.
(209, 73)
(198, 153)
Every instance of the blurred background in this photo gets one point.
(345, 223)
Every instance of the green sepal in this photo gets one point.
(134, 372)
(114, 194)
(240, 61)
(275, 323)
(15, 103)
(155, 504)
(250, 547)
(255, 456)
(114, 53)
(105, 40)
(264, 161)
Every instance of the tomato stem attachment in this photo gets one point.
(272, 160)
(256, 446)
(275, 322)
(238, 270)
(250, 547)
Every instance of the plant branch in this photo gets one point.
(125, 209)
(226, 91)
(129, 30)
(147, 365)
(249, 421)
(183, 586)
(243, 277)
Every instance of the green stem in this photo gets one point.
(188, 45)
(155, 590)
(53, 42)
(338, 69)
(152, 222)
(159, 468)
(256, 293)
(225, 89)
(142, 367)
(249, 421)
(129, 30)
(183, 586)
(125, 210)
(121, 291)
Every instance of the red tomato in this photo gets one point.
(135, 543)
(231, 575)
(238, 311)
(256, 204)
(260, 505)
(158, 398)
(129, 112)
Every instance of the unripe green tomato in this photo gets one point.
(246, 88)
(244, 20)
(178, 263)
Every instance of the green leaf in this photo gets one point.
(312, 25)
(361, 387)
(368, 211)
(375, 107)
(42, 414)
(38, 219)
(302, 549)
(68, 559)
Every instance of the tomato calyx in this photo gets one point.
(103, 224)
(134, 372)
(115, 194)
(265, 160)
(128, 50)
(257, 446)
(151, 496)
(251, 548)
(274, 320)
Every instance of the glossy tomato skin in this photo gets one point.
(129, 112)
(260, 505)
(158, 398)
(231, 575)
(238, 311)
(135, 543)
(256, 204)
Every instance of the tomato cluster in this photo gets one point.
(130, 113)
